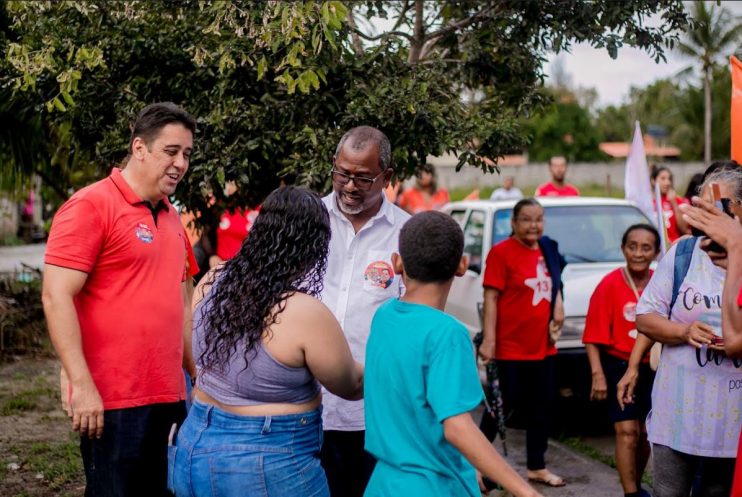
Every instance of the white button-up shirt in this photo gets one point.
(358, 280)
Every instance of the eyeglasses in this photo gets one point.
(361, 182)
(528, 220)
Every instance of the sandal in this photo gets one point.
(546, 477)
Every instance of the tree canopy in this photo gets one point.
(275, 84)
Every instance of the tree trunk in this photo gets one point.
(707, 116)
(418, 35)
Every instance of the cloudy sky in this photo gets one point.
(593, 68)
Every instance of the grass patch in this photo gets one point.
(59, 462)
(583, 448)
(27, 400)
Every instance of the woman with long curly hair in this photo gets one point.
(263, 342)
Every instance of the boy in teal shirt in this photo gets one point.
(421, 378)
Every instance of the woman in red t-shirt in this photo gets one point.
(674, 222)
(520, 331)
(425, 195)
(610, 333)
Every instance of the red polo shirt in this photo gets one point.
(551, 190)
(131, 306)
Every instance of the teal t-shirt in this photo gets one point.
(420, 370)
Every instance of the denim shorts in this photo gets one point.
(221, 454)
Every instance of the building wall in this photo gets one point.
(531, 175)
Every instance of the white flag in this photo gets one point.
(636, 178)
(659, 219)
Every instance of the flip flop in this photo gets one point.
(550, 479)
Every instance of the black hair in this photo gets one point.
(285, 253)
(694, 185)
(431, 245)
(656, 170)
(430, 169)
(154, 117)
(525, 202)
(361, 136)
(645, 227)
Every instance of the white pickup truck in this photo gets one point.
(588, 231)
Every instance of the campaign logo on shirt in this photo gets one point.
(541, 284)
(225, 223)
(379, 274)
(144, 233)
(629, 312)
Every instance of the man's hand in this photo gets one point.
(87, 409)
(599, 390)
(626, 386)
(698, 334)
(64, 391)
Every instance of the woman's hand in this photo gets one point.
(626, 386)
(599, 390)
(716, 224)
(698, 334)
(558, 317)
(487, 349)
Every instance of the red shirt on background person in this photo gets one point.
(232, 231)
(524, 303)
(557, 186)
(611, 316)
(674, 223)
(425, 195)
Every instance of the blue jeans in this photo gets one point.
(218, 453)
(130, 459)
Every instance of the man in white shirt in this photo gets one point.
(365, 231)
(507, 191)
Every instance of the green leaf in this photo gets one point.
(58, 104)
(68, 99)
(262, 67)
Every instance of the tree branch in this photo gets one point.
(482, 14)
(382, 35)
(402, 12)
(355, 39)
(418, 36)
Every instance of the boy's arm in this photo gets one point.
(461, 432)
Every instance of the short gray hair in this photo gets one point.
(361, 136)
(731, 177)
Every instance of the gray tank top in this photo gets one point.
(265, 380)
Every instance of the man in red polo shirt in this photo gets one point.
(557, 187)
(114, 298)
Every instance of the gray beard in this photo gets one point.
(351, 211)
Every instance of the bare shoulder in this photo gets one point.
(312, 312)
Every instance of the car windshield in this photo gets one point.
(585, 233)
